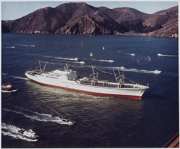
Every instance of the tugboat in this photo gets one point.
(8, 88)
(67, 79)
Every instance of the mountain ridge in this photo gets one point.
(81, 18)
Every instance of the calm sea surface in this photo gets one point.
(100, 121)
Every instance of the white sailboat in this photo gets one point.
(91, 54)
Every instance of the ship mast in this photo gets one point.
(120, 77)
(95, 76)
(40, 66)
(66, 68)
(44, 67)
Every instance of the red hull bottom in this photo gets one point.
(92, 93)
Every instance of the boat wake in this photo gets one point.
(76, 59)
(16, 77)
(116, 68)
(143, 71)
(70, 59)
(39, 116)
(9, 91)
(81, 62)
(20, 78)
(26, 45)
(12, 47)
(159, 54)
(131, 69)
(109, 61)
(132, 54)
(4, 74)
(12, 131)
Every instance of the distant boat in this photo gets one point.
(157, 71)
(82, 62)
(159, 54)
(103, 48)
(132, 54)
(91, 54)
(122, 67)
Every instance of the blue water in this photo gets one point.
(100, 121)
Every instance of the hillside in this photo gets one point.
(81, 18)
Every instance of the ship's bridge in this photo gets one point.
(71, 75)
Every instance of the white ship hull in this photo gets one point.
(134, 92)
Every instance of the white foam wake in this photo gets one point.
(140, 71)
(132, 54)
(159, 54)
(12, 131)
(63, 58)
(12, 47)
(9, 91)
(101, 60)
(109, 61)
(40, 116)
(16, 77)
(4, 74)
(26, 45)
(81, 62)
(130, 70)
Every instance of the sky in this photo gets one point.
(11, 10)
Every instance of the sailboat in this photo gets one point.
(91, 54)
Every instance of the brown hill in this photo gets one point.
(81, 18)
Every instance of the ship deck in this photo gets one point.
(105, 84)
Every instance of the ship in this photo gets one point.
(68, 79)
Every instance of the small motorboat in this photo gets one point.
(157, 71)
(82, 62)
(28, 133)
(159, 54)
(8, 88)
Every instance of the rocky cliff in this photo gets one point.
(81, 18)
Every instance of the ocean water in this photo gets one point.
(98, 121)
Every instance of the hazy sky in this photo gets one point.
(11, 10)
